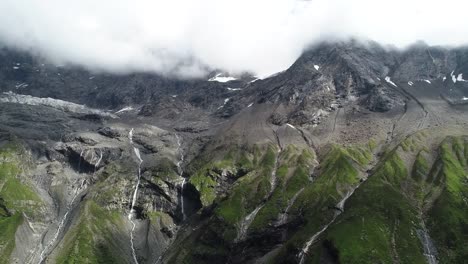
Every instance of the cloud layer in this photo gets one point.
(184, 36)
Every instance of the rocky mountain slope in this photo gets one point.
(355, 154)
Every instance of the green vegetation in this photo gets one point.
(340, 171)
(205, 183)
(8, 226)
(448, 219)
(16, 195)
(413, 142)
(248, 191)
(16, 198)
(379, 217)
(393, 170)
(236, 161)
(291, 177)
(94, 239)
(384, 213)
(421, 166)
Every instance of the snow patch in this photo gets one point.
(21, 85)
(410, 83)
(291, 126)
(223, 79)
(387, 79)
(460, 78)
(125, 109)
(225, 102)
(250, 105)
(233, 89)
(429, 82)
(444, 78)
(465, 98)
(15, 68)
(454, 79)
(316, 67)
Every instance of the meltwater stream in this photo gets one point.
(49, 246)
(131, 214)
(245, 223)
(339, 210)
(283, 218)
(429, 249)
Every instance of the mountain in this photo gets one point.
(357, 153)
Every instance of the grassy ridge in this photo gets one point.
(379, 224)
(448, 219)
(339, 171)
(92, 239)
(16, 198)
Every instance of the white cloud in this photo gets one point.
(263, 36)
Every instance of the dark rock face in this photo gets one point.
(379, 101)
(201, 171)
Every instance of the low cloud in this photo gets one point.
(184, 37)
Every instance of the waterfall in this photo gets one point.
(79, 161)
(273, 172)
(181, 153)
(135, 193)
(180, 171)
(245, 223)
(284, 216)
(98, 161)
(131, 214)
(130, 135)
(339, 209)
(429, 249)
(92, 156)
(131, 242)
(44, 252)
(182, 199)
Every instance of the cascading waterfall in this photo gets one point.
(339, 209)
(245, 223)
(180, 171)
(79, 161)
(130, 136)
(135, 193)
(429, 249)
(98, 162)
(182, 199)
(181, 153)
(273, 173)
(131, 214)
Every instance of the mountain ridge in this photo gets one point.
(280, 170)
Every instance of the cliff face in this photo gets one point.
(355, 154)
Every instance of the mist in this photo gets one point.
(187, 38)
